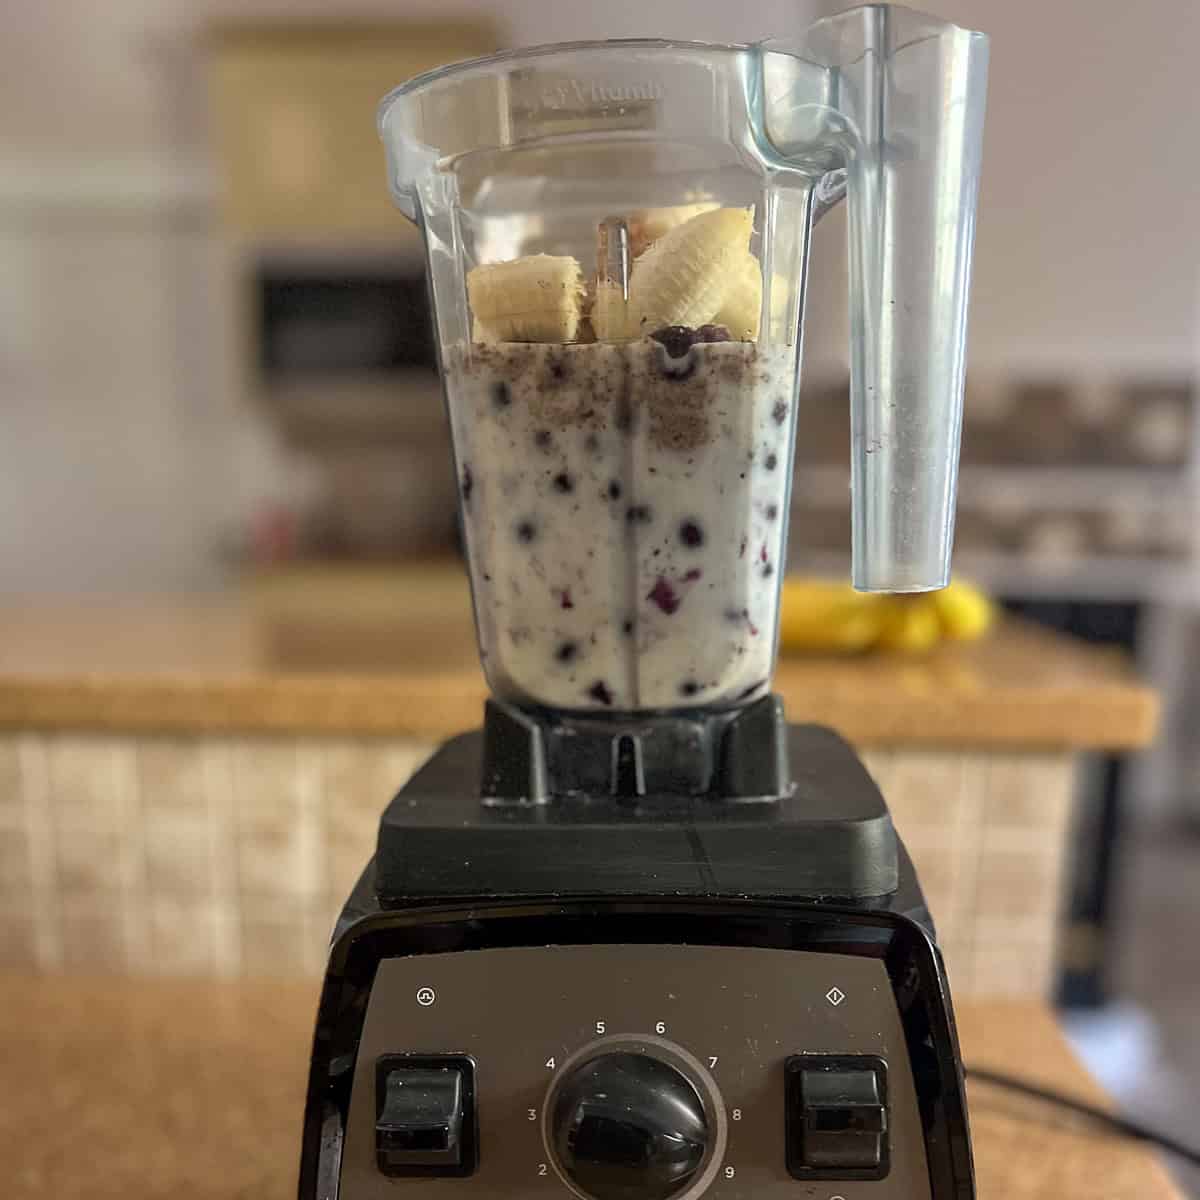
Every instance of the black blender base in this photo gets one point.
(824, 834)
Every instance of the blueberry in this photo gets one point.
(565, 600)
(567, 652)
(468, 482)
(599, 691)
(526, 531)
(563, 482)
(614, 490)
(780, 412)
(771, 462)
(689, 687)
(691, 535)
(677, 340)
(664, 595)
(712, 333)
(501, 395)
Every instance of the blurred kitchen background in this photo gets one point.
(215, 358)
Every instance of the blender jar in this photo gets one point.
(616, 236)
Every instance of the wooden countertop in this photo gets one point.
(393, 653)
(165, 1088)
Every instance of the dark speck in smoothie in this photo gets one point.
(691, 535)
(742, 549)
(692, 575)
(556, 368)
(468, 482)
(623, 414)
(486, 577)
(565, 600)
(627, 627)
(735, 616)
(563, 482)
(501, 396)
(772, 511)
(768, 570)
(638, 514)
(526, 531)
(712, 333)
(591, 443)
(567, 652)
(762, 554)
(779, 412)
(614, 490)
(770, 462)
(599, 691)
(689, 687)
(664, 595)
(542, 439)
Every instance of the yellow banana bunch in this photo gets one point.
(831, 617)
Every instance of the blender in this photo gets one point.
(636, 938)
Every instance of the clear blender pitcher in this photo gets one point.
(617, 237)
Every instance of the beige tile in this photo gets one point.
(1029, 791)
(173, 775)
(92, 781)
(16, 868)
(92, 863)
(924, 789)
(275, 947)
(93, 936)
(18, 941)
(289, 862)
(12, 800)
(1018, 969)
(1016, 885)
(186, 934)
(179, 858)
(275, 781)
(345, 864)
(358, 779)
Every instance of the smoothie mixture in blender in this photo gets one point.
(624, 451)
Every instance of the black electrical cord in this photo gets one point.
(1118, 1124)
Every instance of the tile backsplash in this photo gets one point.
(225, 855)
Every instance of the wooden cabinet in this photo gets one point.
(294, 121)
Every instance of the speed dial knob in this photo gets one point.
(628, 1126)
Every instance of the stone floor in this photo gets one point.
(1146, 1047)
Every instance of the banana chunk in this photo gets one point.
(538, 298)
(684, 278)
(647, 225)
(741, 309)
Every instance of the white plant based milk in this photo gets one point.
(625, 512)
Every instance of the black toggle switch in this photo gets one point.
(425, 1121)
(836, 1117)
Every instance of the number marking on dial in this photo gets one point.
(550, 1063)
(712, 1061)
(730, 1172)
(542, 1169)
(532, 1113)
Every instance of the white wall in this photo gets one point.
(1088, 243)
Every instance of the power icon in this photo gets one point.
(426, 996)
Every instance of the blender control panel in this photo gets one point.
(622, 1071)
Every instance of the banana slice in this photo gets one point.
(684, 277)
(538, 298)
(742, 307)
(647, 225)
